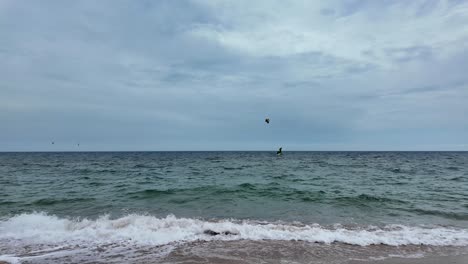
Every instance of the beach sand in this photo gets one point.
(256, 252)
(460, 259)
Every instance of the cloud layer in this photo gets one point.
(202, 75)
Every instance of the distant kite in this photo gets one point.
(267, 120)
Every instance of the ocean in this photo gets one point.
(232, 207)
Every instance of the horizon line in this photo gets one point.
(103, 151)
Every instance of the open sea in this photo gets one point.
(231, 207)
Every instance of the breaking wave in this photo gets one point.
(41, 228)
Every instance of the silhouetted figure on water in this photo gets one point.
(280, 151)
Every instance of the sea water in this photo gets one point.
(172, 206)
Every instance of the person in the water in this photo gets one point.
(280, 151)
(267, 120)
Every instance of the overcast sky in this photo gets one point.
(203, 75)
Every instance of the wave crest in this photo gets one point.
(150, 230)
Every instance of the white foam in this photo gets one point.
(40, 228)
(10, 259)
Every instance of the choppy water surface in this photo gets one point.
(72, 203)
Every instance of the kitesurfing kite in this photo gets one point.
(280, 151)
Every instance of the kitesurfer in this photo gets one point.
(280, 151)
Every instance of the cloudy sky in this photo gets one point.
(202, 75)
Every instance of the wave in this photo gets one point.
(151, 193)
(365, 199)
(51, 201)
(241, 190)
(41, 228)
(271, 190)
(459, 178)
(449, 215)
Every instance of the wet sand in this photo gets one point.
(248, 252)
(461, 259)
(257, 252)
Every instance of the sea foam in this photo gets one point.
(40, 228)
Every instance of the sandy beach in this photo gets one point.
(461, 259)
(248, 252)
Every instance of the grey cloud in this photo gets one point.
(327, 12)
(121, 75)
(409, 53)
(433, 88)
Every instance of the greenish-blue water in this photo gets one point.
(140, 199)
(322, 187)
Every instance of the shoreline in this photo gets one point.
(244, 252)
(458, 259)
(253, 252)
